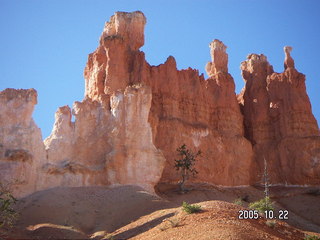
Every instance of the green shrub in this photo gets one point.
(309, 237)
(7, 214)
(238, 201)
(262, 205)
(190, 208)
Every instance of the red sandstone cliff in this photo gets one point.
(279, 122)
(185, 107)
(134, 116)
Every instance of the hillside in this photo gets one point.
(128, 212)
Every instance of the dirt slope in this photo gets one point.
(80, 211)
(127, 212)
(219, 220)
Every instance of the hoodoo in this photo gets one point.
(134, 116)
(279, 122)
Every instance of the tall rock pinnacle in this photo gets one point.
(108, 68)
(219, 58)
(127, 27)
(288, 61)
(254, 72)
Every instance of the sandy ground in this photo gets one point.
(129, 212)
(218, 220)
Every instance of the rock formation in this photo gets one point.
(134, 116)
(219, 58)
(21, 148)
(108, 68)
(279, 122)
(288, 61)
(110, 142)
(203, 114)
(185, 107)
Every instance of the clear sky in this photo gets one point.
(44, 44)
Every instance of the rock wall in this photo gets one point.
(203, 114)
(109, 143)
(185, 108)
(279, 122)
(134, 116)
(21, 148)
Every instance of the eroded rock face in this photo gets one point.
(168, 108)
(21, 146)
(134, 158)
(255, 96)
(108, 68)
(185, 108)
(279, 121)
(203, 114)
(109, 143)
(134, 116)
(76, 150)
(219, 58)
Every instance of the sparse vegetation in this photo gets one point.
(265, 203)
(7, 214)
(271, 223)
(190, 208)
(262, 205)
(186, 164)
(238, 201)
(311, 237)
(266, 179)
(174, 222)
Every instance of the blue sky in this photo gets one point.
(44, 44)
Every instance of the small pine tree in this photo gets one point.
(186, 164)
(264, 203)
(190, 208)
(266, 181)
